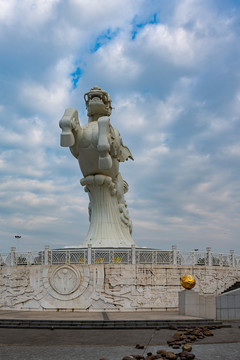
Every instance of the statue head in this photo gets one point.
(98, 102)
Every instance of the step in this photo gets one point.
(235, 286)
(107, 324)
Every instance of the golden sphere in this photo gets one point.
(188, 281)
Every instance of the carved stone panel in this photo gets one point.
(105, 287)
(65, 280)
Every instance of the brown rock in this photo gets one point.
(207, 333)
(186, 355)
(171, 340)
(187, 347)
(176, 346)
(178, 334)
(175, 339)
(197, 331)
(162, 352)
(171, 356)
(128, 358)
(192, 337)
(139, 346)
(172, 327)
(138, 357)
(151, 357)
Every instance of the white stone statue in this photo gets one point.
(99, 149)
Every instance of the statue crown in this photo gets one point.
(101, 94)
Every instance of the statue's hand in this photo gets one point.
(68, 123)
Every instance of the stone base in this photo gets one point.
(112, 287)
(193, 304)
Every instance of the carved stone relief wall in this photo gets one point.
(105, 287)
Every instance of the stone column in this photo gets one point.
(209, 256)
(46, 252)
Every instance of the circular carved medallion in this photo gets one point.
(65, 280)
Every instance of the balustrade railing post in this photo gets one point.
(220, 259)
(13, 256)
(133, 254)
(192, 257)
(111, 257)
(174, 254)
(68, 257)
(46, 252)
(89, 254)
(232, 258)
(29, 258)
(154, 258)
(209, 256)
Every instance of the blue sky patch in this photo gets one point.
(104, 38)
(76, 76)
(138, 26)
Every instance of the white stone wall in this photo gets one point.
(228, 305)
(105, 287)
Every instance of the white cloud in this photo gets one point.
(27, 13)
(7, 8)
(51, 96)
(32, 222)
(233, 149)
(130, 113)
(175, 45)
(174, 83)
(95, 14)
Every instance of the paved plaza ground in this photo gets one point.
(114, 344)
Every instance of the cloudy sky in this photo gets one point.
(172, 69)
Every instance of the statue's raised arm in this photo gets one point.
(99, 149)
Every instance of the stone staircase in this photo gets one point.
(235, 286)
(108, 324)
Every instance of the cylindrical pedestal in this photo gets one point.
(108, 215)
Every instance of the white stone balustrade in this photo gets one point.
(131, 255)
